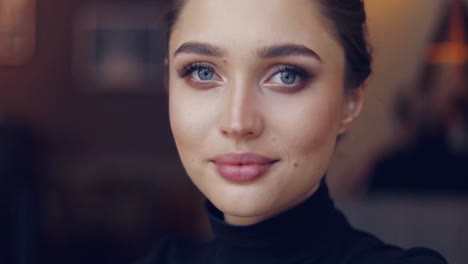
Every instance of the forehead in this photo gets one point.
(239, 24)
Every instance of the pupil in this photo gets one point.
(288, 78)
(205, 74)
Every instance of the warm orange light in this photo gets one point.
(448, 53)
(454, 49)
(17, 31)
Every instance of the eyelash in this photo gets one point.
(301, 73)
(190, 68)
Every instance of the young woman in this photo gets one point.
(259, 93)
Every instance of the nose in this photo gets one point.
(241, 116)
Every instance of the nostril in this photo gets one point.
(238, 132)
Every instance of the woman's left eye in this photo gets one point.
(289, 76)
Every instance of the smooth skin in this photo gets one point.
(263, 76)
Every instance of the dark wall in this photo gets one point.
(109, 179)
(45, 93)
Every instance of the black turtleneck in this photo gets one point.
(314, 232)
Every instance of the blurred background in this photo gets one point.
(89, 172)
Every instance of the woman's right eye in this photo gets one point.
(199, 72)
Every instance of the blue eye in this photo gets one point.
(289, 75)
(203, 74)
(198, 72)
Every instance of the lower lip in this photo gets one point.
(242, 173)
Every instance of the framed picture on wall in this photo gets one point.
(119, 47)
(17, 31)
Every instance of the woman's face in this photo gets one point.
(256, 102)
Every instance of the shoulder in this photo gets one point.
(364, 248)
(421, 255)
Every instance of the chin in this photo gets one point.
(244, 201)
(244, 208)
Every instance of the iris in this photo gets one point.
(288, 77)
(205, 74)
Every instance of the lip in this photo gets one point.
(242, 167)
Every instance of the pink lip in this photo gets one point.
(242, 167)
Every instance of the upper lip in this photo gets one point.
(247, 158)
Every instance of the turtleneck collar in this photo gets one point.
(311, 223)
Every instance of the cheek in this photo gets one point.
(185, 133)
(317, 137)
(310, 132)
(180, 117)
(189, 121)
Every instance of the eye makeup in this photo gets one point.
(285, 78)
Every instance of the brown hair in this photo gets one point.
(347, 20)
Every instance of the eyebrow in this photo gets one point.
(268, 52)
(200, 49)
(287, 50)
